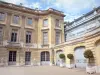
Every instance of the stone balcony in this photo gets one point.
(13, 45)
(29, 45)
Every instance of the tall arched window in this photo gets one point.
(45, 56)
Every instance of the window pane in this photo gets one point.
(43, 56)
(12, 56)
(57, 23)
(47, 56)
(16, 19)
(29, 21)
(45, 23)
(14, 36)
(45, 37)
(1, 34)
(57, 37)
(28, 37)
(27, 56)
(2, 16)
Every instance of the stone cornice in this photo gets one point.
(29, 10)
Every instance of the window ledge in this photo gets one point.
(45, 44)
(29, 44)
(58, 28)
(29, 27)
(16, 25)
(3, 22)
(45, 28)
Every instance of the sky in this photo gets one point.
(71, 8)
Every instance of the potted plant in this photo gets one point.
(90, 66)
(71, 57)
(62, 57)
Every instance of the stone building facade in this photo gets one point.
(36, 37)
(28, 35)
(80, 35)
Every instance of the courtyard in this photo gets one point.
(41, 70)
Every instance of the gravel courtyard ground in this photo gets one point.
(41, 70)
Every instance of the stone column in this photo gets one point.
(22, 57)
(38, 59)
(18, 58)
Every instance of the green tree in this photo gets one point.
(88, 54)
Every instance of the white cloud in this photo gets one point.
(25, 3)
(75, 5)
(70, 17)
(71, 8)
(35, 5)
(16, 1)
(75, 8)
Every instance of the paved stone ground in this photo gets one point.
(41, 70)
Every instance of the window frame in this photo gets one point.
(58, 41)
(27, 56)
(57, 23)
(45, 25)
(14, 38)
(27, 21)
(14, 20)
(45, 38)
(28, 37)
(1, 36)
(4, 16)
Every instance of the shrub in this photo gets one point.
(88, 54)
(70, 56)
(62, 56)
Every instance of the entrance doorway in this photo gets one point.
(12, 58)
(80, 61)
(45, 58)
(58, 60)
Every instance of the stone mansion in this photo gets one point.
(37, 37)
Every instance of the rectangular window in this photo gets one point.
(29, 21)
(16, 19)
(27, 56)
(12, 56)
(14, 36)
(45, 37)
(57, 37)
(57, 23)
(28, 37)
(45, 23)
(1, 35)
(2, 16)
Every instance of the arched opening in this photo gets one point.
(58, 60)
(80, 60)
(45, 58)
(97, 51)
